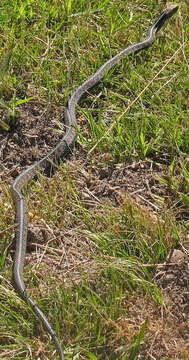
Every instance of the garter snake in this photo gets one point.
(60, 151)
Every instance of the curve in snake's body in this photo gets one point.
(60, 151)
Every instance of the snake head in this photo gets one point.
(166, 14)
(171, 10)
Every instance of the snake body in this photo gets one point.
(60, 151)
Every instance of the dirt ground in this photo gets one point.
(32, 138)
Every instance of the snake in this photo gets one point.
(63, 148)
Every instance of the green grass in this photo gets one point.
(48, 48)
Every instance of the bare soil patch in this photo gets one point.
(33, 136)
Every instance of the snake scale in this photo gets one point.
(60, 151)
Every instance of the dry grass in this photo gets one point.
(102, 226)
